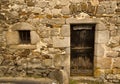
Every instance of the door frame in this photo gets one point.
(99, 39)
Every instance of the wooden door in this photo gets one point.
(82, 49)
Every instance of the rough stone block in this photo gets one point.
(30, 3)
(112, 54)
(102, 36)
(65, 10)
(98, 72)
(67, 50)
(118, 76)
(47, 40)
(116, 63)
(76, 21)
(116, 71)
(57, 75)
(103, 62)
(12, 37)
(118, 20)
(45, 21)
(18, 1)
(111, 76)
(55, 31)
(99, 50)
(22, 26)
(60, 75)
(112, 27)
(4, 1)
(58, 60)
(113, 32)
(76, 1)
(114, 41)
(56, 11)
(57, 25)
(2, 17)
(117, 49)
(100, 26)
(45, 33)
(65, 31)
(66, 63)
(37, 10)
(57, 21)
(2, 69)
(113, 4)
(48, 11)
(109, 10)
(108, 71)
(42, 4)
(47, 62)
(33, 66)
(34, 37)
(61, 41)
(52, 3)
(101, 10)
(117, 11)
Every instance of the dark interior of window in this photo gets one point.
(24, 36)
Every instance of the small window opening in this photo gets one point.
(24, 36)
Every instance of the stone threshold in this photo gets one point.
(86, 79)
(83, 77)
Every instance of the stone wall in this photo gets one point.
(49, 21)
